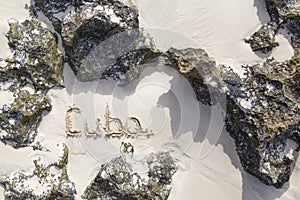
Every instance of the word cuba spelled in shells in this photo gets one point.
(113, 127)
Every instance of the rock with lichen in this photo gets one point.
(101, 31)
(194, 64)
(263, 108)
(46, 182)
(34, 68)
(286, 14)
(54, 10)
(283, 14)
(130, 65)
(102, 41)
(281, 11)
(36, 60)
(19, 120)
(265, 129)
(264, 39)
(200, 70)
(263, 117)
(117, 179)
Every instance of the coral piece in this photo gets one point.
(117, 180)
(47, 182)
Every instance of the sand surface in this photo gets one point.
(208, 164)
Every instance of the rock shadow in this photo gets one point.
(253, 188)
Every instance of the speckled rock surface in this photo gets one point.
(119, 58)
(200, 70)
(54, 10)
(129, 66)
(287, 15)
(263, 113)
(90, 24)
(117, 179)
(194, 64)
(264, 39)
(283, 14)
(19, 121)
(36, 60)
(34, 68)
(47, 182)
(263, 117)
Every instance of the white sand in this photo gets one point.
(217, 26)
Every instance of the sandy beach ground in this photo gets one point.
(208, 164)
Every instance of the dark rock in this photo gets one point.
(287, 15)
(19, 121)
(129, 66)
(35, 64)
(84, 28)
(102, 40)
(266, 131)
(264, 39)
(283, 14)
(200, 70)
(36, 60)
(117, 180)
(263, 117)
